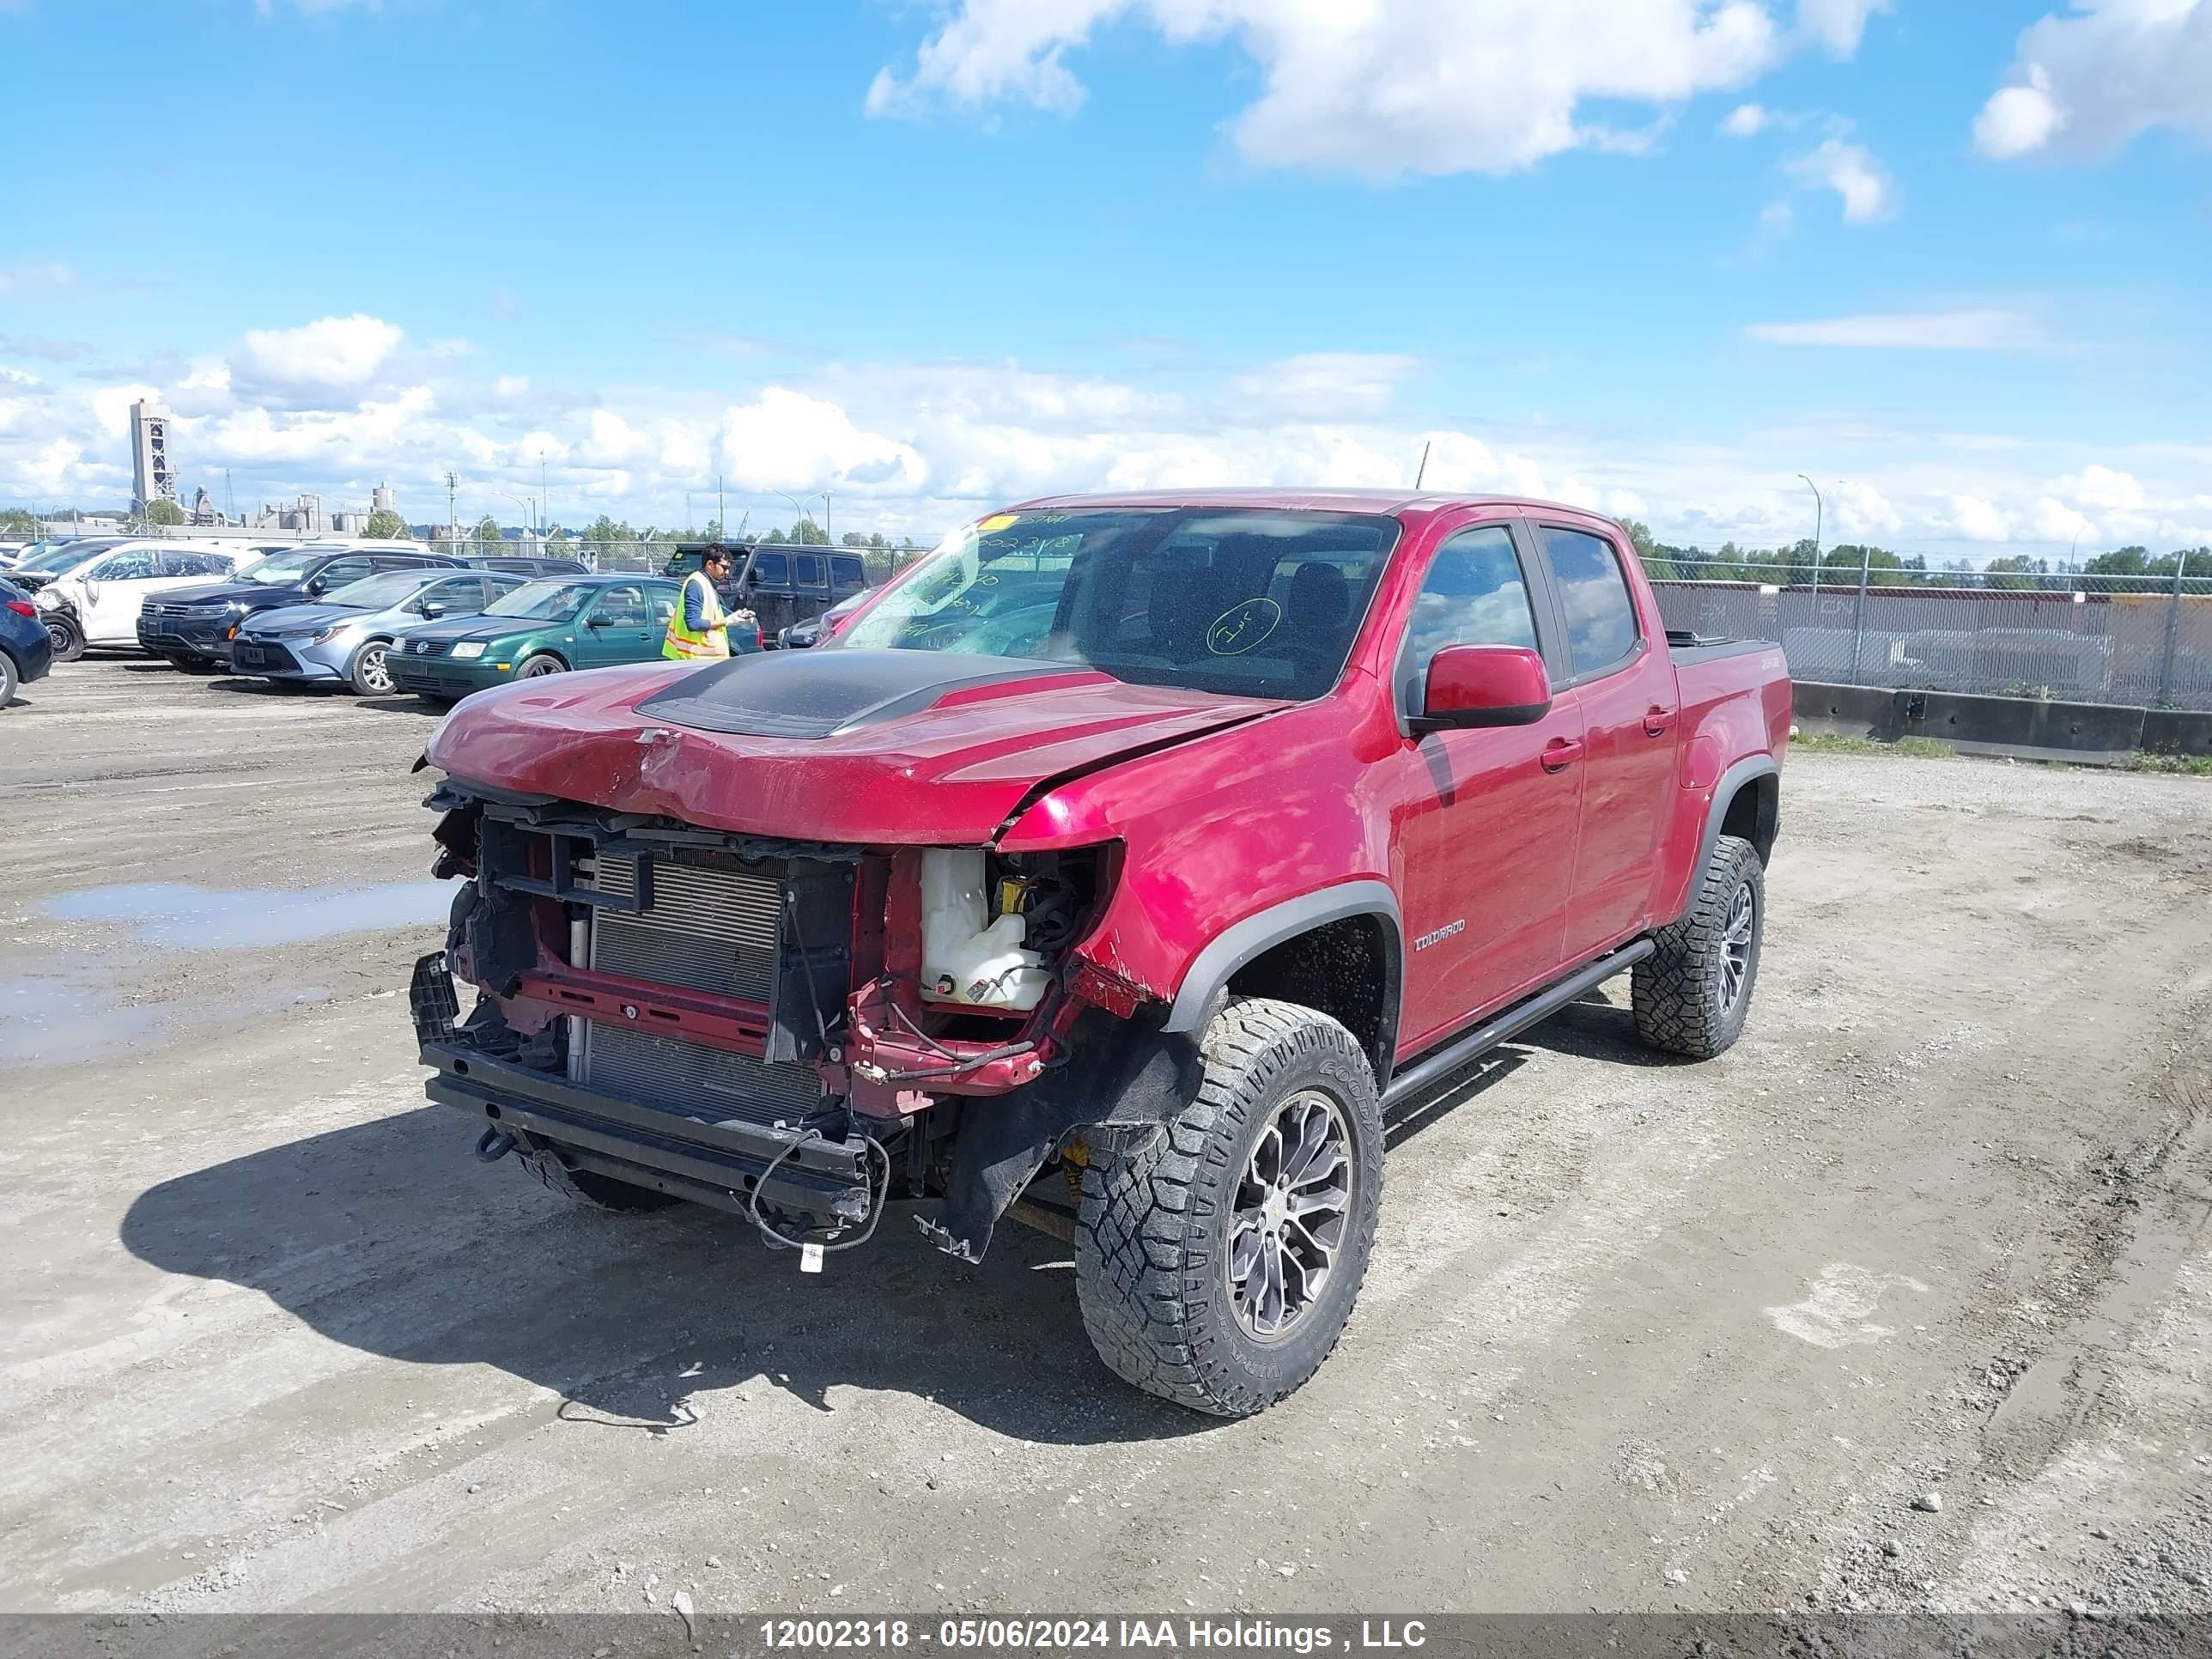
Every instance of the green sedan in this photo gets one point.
(544, 627)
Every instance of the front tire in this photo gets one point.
(1217, 1263)
(368, 670)
(66, 637)
(537, 667)
(193, 665)
(1693, 993)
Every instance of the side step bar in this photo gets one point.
(1461, 1051)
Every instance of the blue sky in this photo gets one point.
(1658, 256)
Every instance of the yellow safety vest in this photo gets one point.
(711, 641)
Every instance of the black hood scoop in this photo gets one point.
(827, 691)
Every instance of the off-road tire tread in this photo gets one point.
(1142, 1292)
(1675, 991)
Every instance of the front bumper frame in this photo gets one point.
(724, 1165)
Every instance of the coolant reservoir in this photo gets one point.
(963, 960)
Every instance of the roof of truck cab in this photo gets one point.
(1309, 499)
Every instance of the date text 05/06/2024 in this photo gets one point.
(1243, 1634)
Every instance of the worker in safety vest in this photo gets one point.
(698, 628)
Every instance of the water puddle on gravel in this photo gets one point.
(180, 916)
(70, 1014)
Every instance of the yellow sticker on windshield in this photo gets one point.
(996, 523)
(1242, 626)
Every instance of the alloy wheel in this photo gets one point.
(1736, 947)
(375, 673)
(1288, 1221)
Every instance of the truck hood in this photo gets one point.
(831, 744)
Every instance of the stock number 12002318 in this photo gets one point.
(954, 1633)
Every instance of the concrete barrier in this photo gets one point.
(2093, 733)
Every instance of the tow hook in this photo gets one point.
(495, 1145)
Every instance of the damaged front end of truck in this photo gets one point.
(799, 1032)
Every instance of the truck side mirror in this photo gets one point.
(1485, 686)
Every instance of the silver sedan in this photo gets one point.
(341, 639)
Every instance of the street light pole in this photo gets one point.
(1819, 512)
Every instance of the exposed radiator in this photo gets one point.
(707, 929)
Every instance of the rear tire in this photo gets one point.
(1691, 994)
(67, 638)
(370, 674)
(1217, 1262)
(10, 679)
(590, 1190)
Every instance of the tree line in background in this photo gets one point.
(2126, 570)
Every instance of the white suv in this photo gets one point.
(96, 600)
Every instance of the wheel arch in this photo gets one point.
(1747, 802)
(1340, 950)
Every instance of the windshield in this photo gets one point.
(1257, 603)
(283, 569)
(381, 593)
(542, 601)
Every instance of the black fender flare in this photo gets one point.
(1211, 968)
(1733, 783)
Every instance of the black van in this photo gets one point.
(781, 583)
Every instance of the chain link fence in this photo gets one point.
(879, 563)
(2101, 640)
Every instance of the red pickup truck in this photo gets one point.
(1117, 869)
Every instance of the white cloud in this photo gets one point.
(2102, 486)
(1979, 519)
(2018, 119)
(1745, 121)
(1860, 509)
(2111, 69)
(1386, 86)
(1837, 24)
(788, 440)
(333, 353)
(1922, 331)
(2055, 522)
(1851, 171)
(1326, 385)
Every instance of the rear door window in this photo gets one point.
(1594, 600)
(808, 566)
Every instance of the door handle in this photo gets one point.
(1657, 720)
(1560, 753)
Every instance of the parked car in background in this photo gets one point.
(343, 639)
(96, 600)
(523, 565)
(541, 628)
(26, 651)
(802, 635)
(194, 628)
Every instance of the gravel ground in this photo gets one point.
(1639, 1335)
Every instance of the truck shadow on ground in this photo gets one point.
(389, 1237)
